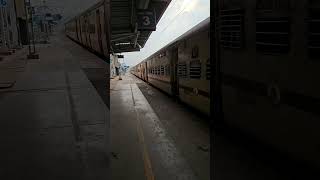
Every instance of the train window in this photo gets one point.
(264, 4)
(195, 69)
(230, 4)
(314, 33)
(162, 70)
(314, 3)
(208, 70)
(182, 70)
(272, 34)
(231, 28)
(273, 4)
(195, 52)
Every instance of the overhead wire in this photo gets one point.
(174, 18)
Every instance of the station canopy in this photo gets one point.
(132, 22)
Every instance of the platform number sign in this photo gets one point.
(146, 20)
(3, 3)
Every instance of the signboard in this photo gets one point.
(146, 20)
(3, 3)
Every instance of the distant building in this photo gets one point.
(44, 20)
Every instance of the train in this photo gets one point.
(182, 68)
(269, 53)
(88, 29)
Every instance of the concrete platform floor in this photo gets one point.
(142, 144)
(54, 125)
(155, 137)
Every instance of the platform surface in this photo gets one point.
(141, 144)
(54, 125)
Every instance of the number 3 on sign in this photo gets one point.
(146, 20)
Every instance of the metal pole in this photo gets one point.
(5, 20)
(17, 25)
(32, 31)
(27, 21)
(3, 43)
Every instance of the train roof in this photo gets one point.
(199, 27)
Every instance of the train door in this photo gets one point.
(146, 71)
(86, 30)
(89, 30)
(174, 72)
(80, 30)
(99, 30)
(77, 30)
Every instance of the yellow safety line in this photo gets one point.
(146, 158)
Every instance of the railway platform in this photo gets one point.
(54, 124)
(140, 144)
(155, 137)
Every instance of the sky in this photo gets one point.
(180, 16)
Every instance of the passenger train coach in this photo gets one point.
(88, 29)
(270, 58)
(270, 63)
(182, 68)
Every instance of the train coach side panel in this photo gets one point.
(84, 31)
(193, 58)
(270, 85)
(92, 31)
(160, 70)
(71, 30)
(103, 31)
